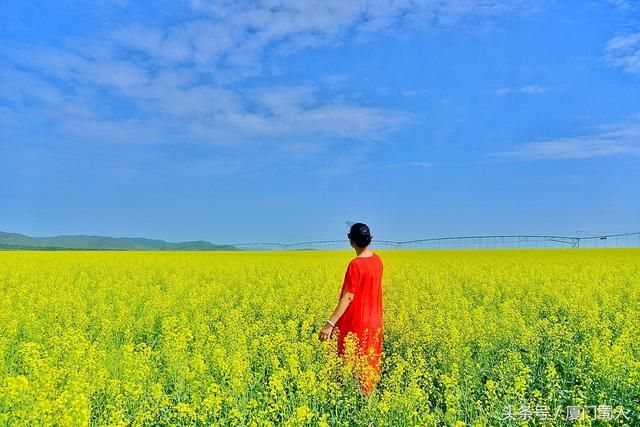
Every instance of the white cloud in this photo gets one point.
(408, 164)
(239, 33)
(334, 80)
(171, 105)
(626, 5)
(17, 86)
(532, 89)
(183, 82)
(620, 138)
(624, 52)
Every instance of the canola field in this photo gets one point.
(471, 338)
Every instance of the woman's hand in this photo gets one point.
(325, 332)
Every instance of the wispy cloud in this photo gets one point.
(291, 25)
(613, 139)
(184, 70)
(532, 89)
(229, 39)
(186, 81)
(623, 51)
(179, 108)
(408, 164)
(626, 5)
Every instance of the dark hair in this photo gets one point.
(360, 234)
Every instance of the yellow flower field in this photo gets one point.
(230, 338)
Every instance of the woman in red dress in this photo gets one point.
(359, 310)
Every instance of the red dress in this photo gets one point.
(363, 316)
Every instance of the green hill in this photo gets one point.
(15, 241)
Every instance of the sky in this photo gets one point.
(278, 121)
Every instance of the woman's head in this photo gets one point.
(360, 235)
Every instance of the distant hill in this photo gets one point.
(15, 241)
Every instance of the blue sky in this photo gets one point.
(271, 120)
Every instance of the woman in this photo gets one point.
(359, 309)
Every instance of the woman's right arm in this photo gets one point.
(343, 303)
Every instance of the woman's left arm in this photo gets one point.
(344, 302)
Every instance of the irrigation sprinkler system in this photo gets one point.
(617, 240)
